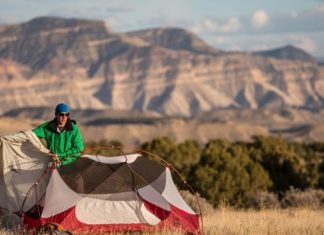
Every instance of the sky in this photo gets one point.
(230, 25)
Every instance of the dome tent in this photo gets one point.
(108, 194)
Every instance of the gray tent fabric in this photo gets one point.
(23, 160)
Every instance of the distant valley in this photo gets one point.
(133, 129)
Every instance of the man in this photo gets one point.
(62, 135)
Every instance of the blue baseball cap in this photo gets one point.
(62, 108)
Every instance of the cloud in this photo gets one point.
(230, 25)
(90, 12)
(260, 22)
(112, 22)
(209, 25)
(118, 9)
(259, 19)
(308, 43)
(76, 13)
(321, 8)
(304, 43)
(8, 20)
(294, 14)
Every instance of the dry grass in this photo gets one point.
(270, 221)
(274, 221)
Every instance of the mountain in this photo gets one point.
(288, 52)
(175, 39)
(321, 60)
(169, 71)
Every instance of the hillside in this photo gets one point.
(169, 71)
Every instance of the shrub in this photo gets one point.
(205, 207)
(182, 156)
(310, 198)
(263, 200)
(227, 174)
(283, 163)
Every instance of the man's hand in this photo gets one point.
(55, 159)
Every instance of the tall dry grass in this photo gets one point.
(268, 221)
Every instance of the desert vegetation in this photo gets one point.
(264, 171)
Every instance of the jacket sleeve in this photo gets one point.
(77, 147)
(39, 131)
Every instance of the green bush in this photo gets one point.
(285, 167)
(226, 173)
(106, 148)
(181, 156)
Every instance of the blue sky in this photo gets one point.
(243, 25)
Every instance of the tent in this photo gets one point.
(94, 194)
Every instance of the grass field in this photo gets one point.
(274, 221)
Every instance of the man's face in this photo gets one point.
(62, 119)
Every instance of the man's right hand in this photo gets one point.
(55, 159)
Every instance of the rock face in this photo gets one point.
(168, 71)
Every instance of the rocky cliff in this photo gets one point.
(168, 71)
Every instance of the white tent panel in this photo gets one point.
(149, 194)
(96, 211)
(170, 192)
(23, 159)
(59, 197)
(113, 160)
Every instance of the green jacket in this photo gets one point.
(67, 144)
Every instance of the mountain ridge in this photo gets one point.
(168, 71)
(288, 52)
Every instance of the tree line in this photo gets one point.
(233, 172)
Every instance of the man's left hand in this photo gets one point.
(55, 160)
